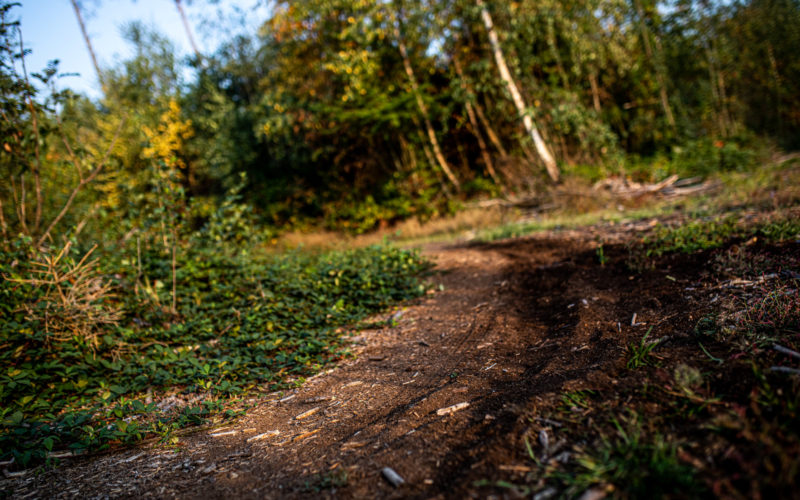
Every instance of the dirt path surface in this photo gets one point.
(516, 324)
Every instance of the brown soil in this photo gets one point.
(517, 323)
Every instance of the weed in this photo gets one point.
(573, 400)
(691, 236)
(242, 322)
(601, 256)
(636, 465)
(518, 490)
(687, 377)
(706, 327)
(641, 352)
(329, 481)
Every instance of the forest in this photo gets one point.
(149, 288)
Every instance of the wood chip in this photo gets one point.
(515, 468)
(353, 383)
(318, 399)
(304, 435)
(549, 422)
(392, 477)
(544, 440)
(452, 409)
(16, 474)
(354, 444)
(287, 398)
(307, 414)
(263, 435)
(377, 358)
(220, 434)
(593, 494)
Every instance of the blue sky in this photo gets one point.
(50, 29)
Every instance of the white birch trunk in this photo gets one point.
(541, 147)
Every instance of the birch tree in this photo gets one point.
(541, 146)
(423, 109)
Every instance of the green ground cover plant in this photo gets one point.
(241, 323)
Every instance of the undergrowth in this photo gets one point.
(717, 415)
(241, 323)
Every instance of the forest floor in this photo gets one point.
(514, 362)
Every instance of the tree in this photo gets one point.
(541, 147)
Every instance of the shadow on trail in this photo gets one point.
(569, 313)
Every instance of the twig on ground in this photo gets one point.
(786, 350)
(785, 369)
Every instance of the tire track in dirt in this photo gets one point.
(508, 328)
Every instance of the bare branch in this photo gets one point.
(88, 42)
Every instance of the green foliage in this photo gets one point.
(706, 234)
(242, 322)
(706, 156)
(329, 481)
(641, 353)
(636, 465)
(692, 236)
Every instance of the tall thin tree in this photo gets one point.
(541, 147)
(88, 41)
(188, 28)
(423, 108)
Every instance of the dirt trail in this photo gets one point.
(517, 323)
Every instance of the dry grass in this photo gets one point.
(73, 298)
(408, 232)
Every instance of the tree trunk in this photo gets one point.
(88, 41)
(423, 109)
(660, 78)
(487, 158)
(595, 91)
(188, 30)
(493, 137)
(541, 147)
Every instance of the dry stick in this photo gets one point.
(505, 74)
(786, 350)
(37, 218)
(80, 185)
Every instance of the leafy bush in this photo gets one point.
(706, 156)
(241, 323)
